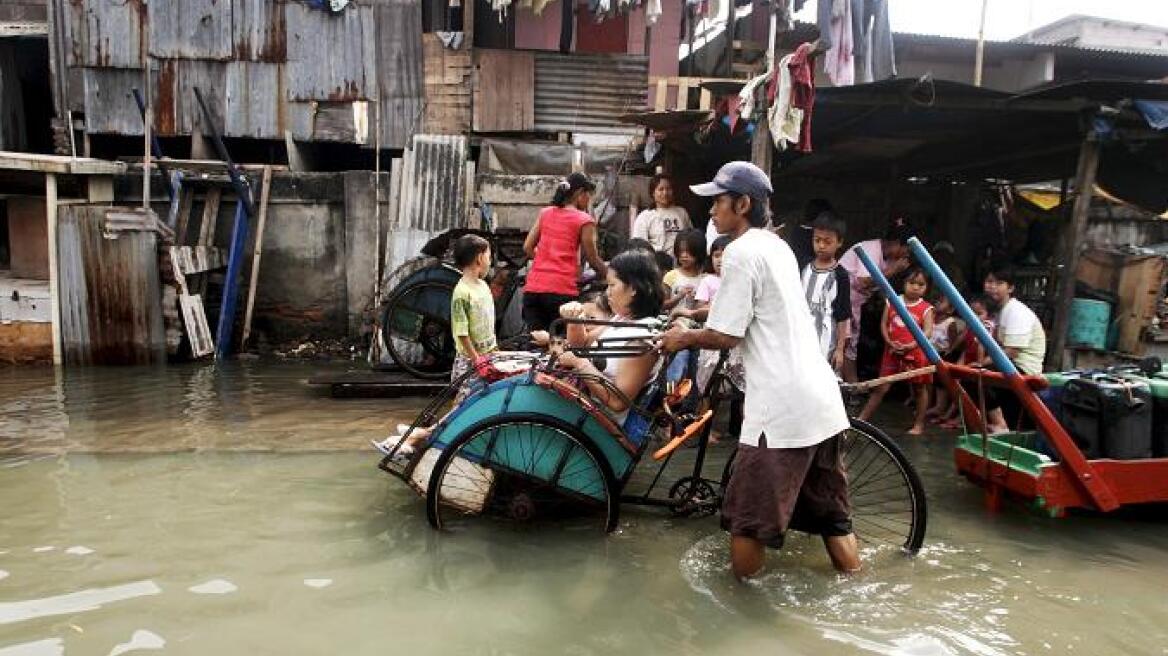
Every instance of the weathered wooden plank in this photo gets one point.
(211, 79)
(109, 101)
(331, 56)
(504, 91)
(399, 71)
(447, 88)
(191, 29)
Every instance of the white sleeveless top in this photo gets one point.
(628, 334)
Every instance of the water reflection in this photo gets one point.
(197, 510)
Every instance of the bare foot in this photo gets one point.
(915, 430)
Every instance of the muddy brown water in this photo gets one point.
(196, 510)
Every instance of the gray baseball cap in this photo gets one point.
(737, 177)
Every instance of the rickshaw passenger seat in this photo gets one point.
(637, 426)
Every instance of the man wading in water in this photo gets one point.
(788, 472)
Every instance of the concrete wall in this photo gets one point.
(998, 74)
(320, 252)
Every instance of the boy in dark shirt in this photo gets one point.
(826, 287)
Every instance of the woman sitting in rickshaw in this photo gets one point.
(634, 295)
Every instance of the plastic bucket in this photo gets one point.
(1089, 322)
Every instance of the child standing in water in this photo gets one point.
(947, 337)
(682, 282)
(828, 289)
(901, 352)
(472, 324)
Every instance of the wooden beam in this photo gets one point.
(265, 194)
(59, 164)
(1072, 240)
(54, 284)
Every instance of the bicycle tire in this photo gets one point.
(877, 519)
(530, 443)
(415, 326)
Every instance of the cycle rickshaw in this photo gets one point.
(528, 443)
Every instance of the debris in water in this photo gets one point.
(318, 583)
(42, 549)
(214, 586)
(79, 551)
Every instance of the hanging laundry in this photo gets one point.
(784, 123)
(746, 96)
(653, 12)
(803, 92)
(500, 8)
(875, 56)
(838, 61)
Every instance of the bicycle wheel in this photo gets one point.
(415, 325)
(521, 469)
(886, 494)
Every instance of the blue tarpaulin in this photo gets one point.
(1155, 112)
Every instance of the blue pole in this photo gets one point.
(231, 283)
(1001, 361)
(898, 305)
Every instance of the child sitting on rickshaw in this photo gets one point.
(633, 295)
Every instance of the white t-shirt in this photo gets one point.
(660, 227)
(791, 392)
(1019, 327)
(712, 235)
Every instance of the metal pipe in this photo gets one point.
(1001, 361)
(979, 56)
(897, 304)
(242, 188)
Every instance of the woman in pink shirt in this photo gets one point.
(554, 244)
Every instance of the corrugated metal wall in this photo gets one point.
(585, 93)
(111, 297)
(265, 66)
(431, 195)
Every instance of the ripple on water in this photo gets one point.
(935, 603)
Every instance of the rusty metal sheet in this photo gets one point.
(110, 33)
(258, 30)
(431, 194)
(331, 56)
(110, 291)
(253, 100)
(399, 71)
(190, 29)
(588, 93)
(298, 119)
(211, 78)
(109, 103)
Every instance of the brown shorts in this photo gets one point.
(771, 490)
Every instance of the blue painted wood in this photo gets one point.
(897, 304)
(1001, 360)
(231, 283)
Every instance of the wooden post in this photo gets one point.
(1072, 240)
(54, 284)
(760, 148)
(979, 54)
(257, 251)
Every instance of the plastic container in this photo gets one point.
(1108, 416)
(1158, 385)
(1089, 323)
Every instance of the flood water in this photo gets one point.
(199, 510)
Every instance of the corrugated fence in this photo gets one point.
(265, 66)
(585, 93)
